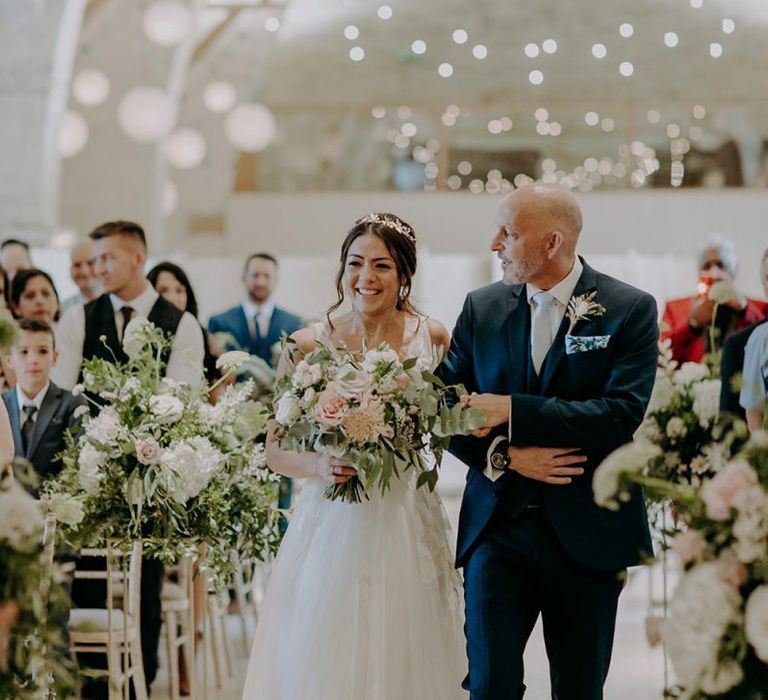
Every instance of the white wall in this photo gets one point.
(646, 238)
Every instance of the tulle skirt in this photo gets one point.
(363, 603)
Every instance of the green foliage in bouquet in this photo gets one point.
(385, 415)
(33, 654)
(161, 464)
(9, 333)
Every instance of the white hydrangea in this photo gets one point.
(690, 372)
(750, 530)
(90, 462)
(756, 621)
(166, 408)
(627, 459)
(21, 519)
(649, 430)
(662, 394)
(706, 401)
(191, 463)
(135, 336)
(104, 427)
(701, 609)
(66, 509)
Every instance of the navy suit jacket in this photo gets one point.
(234, 322)
(591, 400)
(55, 417)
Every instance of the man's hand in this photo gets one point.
(552, 465)
(495, 407)
(701, 312)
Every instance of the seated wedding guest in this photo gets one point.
(81, 271)
(256, 323)
(34, 296)
(96, 330)
(172, 283)
(686, 321)
(14, 256)
(40, 412)
(732, 362)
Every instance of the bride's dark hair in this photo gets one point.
(400, 240)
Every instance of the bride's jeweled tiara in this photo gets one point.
(402, 229)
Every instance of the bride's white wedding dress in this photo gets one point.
(363, 602)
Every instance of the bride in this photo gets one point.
(363, 602)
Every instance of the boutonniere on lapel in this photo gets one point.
(583, 308)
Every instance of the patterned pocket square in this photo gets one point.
(585, 343)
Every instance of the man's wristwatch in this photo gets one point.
(500, 457)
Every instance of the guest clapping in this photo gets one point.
(34, 296)
(686, 320)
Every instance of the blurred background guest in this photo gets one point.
(686, 321)
(34, 296)
(14, 256)
(172, 283)
(256, 324)
(81, 271)
(732, 361)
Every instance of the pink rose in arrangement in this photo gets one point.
(730, 570)
(147, 451)
(688, 546)
(721, 493)
(331, 407)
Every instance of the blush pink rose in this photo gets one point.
(688, 546)
(147, 451)
(353, 384)
(721, 492)
(330, 408)
(730, 570)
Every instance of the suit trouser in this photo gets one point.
(518, 571)
(92, 593)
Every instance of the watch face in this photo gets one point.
(498, 460)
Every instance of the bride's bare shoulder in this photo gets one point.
(438, 333)
(305, 339)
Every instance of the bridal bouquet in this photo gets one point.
(681, 440)
(161, 464)
(381, 413)
(29, 590)
(717, 632)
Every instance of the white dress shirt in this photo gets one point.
(250, 309)
(36, 401)
(185, 363)
(562, 292)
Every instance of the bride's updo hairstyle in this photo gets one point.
(400, 240)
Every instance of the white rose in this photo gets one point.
(147, 450)
(80, 411)
(307, 374)
(353, 384)
(756, 621)
(308, 397)
(722, 292)
(287, 409)
(166, 408)
(104, 427)
(690, 372)
(191, 465)
(89, 462)
(675, 428)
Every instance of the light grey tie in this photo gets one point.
(541, 328)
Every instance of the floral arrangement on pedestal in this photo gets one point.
(32, 657)
(385, 414)
(157, 462)
(682, 440)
